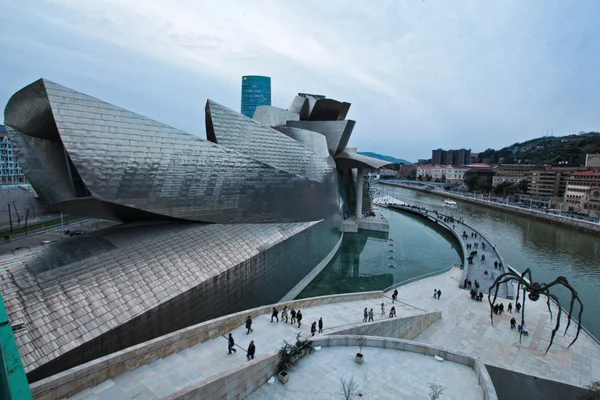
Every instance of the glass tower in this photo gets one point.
(256, 91)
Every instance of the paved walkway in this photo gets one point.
(385, 374)
(476, 271)
(465, 326)
(166, 376)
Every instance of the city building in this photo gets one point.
(513, 173)
(10, 169)
(592, 160)
(456, 174)
(210, 227)
(424, 171)
(256, 91)
(583, 192)
(438, 173)
(408, 171)
(550, 182)
(451, 157)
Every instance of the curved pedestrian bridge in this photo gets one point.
(170, 366)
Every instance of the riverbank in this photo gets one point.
(554, 219)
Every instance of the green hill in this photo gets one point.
(384, 158)
(549, 150)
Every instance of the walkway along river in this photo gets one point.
(549, 250)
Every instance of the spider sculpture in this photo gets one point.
(534, 291)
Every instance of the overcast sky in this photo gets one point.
(419, 74)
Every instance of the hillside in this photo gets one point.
(384, 158)
(549, 150)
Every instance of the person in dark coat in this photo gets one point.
(293, 315)
(439, 294)
(501, 308)
(251, 350)
(299, 318)
(513, 323)
(313, 329)
(230, 344)
(510, 308)
(496, 309)
(321, 325)
(365, 315)
(275, 314)
(249, 325)
(518, 307)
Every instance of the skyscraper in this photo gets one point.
(256, 91)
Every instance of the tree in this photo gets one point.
(435, 391)
(593, 392)
(349, 387)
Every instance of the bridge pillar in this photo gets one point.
(359, 192)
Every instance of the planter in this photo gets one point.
(359, 358)
(283, 377)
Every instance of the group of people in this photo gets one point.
(476, 296)
(469, 285)
(292, 315)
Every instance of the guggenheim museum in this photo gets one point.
(209, 226)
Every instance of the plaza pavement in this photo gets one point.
(385, 374)
(465, 326)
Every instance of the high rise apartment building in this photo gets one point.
(451, 157)
(256, 91)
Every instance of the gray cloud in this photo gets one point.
(420, 74)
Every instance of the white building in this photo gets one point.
(456, 174)
(438, 172)
(423, 171)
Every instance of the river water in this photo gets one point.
(547, 250)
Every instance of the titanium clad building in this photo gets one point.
(256, 91)
(210, 227)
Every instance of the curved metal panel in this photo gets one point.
(329, 110)
(129, 160)
(300, 106)
(273, 116)
(337, 133)
(351, 159)
(262, 143)
(313, 140)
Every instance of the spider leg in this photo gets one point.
(579, 324)
(557, 326)
(496, 284)
(548, 302)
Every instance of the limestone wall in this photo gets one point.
(401, 328)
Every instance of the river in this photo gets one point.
(547, 250)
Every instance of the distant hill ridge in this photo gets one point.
(384, 157)
(570, 150)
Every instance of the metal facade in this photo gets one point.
(214, 226)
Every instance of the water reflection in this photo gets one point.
(363, 262)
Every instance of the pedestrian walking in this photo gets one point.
(275, 314)
(321, 325)
(435, 293)
(251, 351)
(284, 314)
(439, 294)
(365, 315)
(230, 344)
(513, 323)
(313, 329)
(371, 315)
(299, 318)
(382, 309)
(392, 312)
(293, 315)
(510, 308)
(249, 325)
(395, 295)
(518, 307)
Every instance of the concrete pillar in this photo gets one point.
(359, 192)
